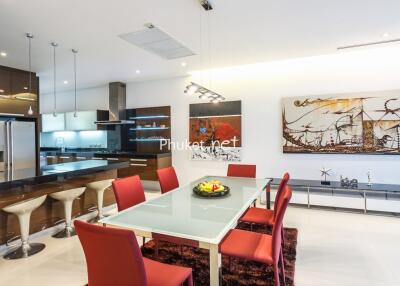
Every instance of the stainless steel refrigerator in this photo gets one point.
(17, 145)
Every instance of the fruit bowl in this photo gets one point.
(211, 189)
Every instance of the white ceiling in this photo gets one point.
(243, 32)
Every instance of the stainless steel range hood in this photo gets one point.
(117, 105)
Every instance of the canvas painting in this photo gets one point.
(356, 123)
(215, 131)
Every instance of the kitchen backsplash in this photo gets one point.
(74, 139)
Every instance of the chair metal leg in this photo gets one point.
(276, 275)
(156, 247)
(283, 268)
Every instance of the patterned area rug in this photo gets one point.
(241, 272)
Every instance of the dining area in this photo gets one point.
(190, 237)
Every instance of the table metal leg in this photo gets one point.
(214, 265)
(268, 191)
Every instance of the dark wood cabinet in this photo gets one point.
(5, 82)
(20, 83)
(16, 97)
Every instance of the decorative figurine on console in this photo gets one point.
(325, 173)
(369, 178)
(347, 183)
(354, 184)
(344, 182)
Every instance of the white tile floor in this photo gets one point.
(340, 249)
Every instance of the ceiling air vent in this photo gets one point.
(156, 41)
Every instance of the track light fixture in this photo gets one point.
(203, 93)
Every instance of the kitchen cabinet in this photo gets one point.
(83, 121)
(5, 82)
(51, 123)
(146, 168)
(15, 97)
(20, 83)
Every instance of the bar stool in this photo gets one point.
(23, 211)
(99, 187)
(67, 198)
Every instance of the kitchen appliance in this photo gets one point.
(117, 105)
(17, 145)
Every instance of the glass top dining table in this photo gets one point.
(183, 214)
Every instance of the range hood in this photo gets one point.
(117, 105)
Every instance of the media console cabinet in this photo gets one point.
(373, 199)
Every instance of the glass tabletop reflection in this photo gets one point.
(183, 214)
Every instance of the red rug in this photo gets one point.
(241, 272)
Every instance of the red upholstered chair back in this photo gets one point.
(241, 170)
(112, 255)
(128, 192)
(168, 179)
(279, 192)
(277, 228)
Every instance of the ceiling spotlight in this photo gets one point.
(3, 54)
(65, 81)
(137, 71)
(1, 90)
(184, 64)
(205, 93)
(191, 89)
(25, 87)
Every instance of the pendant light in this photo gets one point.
(54, 45)
(29, 36)
(194, 88)
(75, 51)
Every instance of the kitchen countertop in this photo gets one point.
(56, 172)
(100, 153)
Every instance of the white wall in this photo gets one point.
(87, 99)
(261, 87)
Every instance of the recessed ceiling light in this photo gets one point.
(184, 64)
(3, 54)
(25, 87)
(138, 71)
(385, 35)
(65, 81)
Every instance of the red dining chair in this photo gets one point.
(264, 216)
(128, 192)
(260, 247)
(113, 257)
(167, 179)
(241, 170)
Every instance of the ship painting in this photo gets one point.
(357, 123)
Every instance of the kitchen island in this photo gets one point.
(24, 184)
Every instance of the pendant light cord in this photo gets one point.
(55, 78)
(30, 63)
(75, 52)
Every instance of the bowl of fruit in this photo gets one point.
(211, 189)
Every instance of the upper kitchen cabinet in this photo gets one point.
(84, 120)
(51, 123)
(5, 82)
(15, 97)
